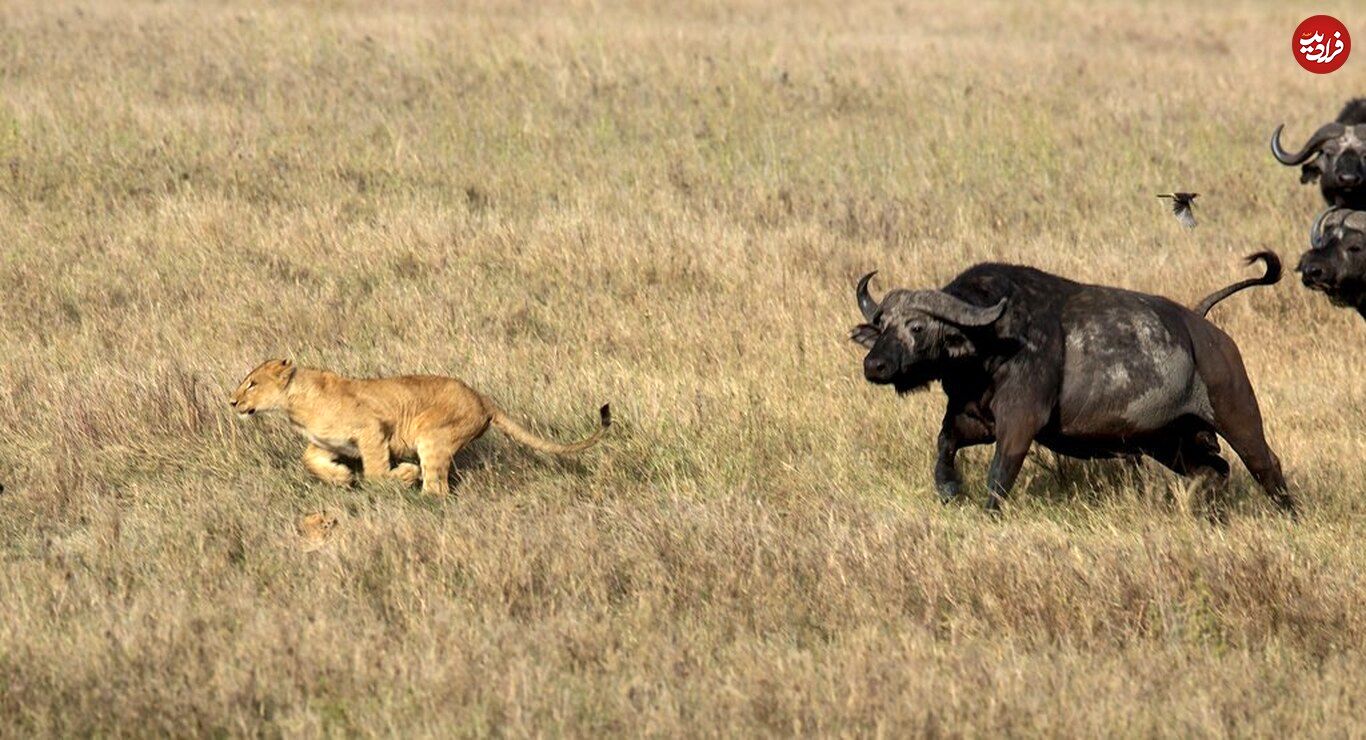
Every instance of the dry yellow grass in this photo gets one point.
(662, 205)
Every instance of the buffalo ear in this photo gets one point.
(865, 334)
(957, 345)
(1309, 173)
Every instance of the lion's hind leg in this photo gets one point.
(436, 448)
(435, 451)
(325, 467)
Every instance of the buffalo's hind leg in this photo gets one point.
(1239, 421)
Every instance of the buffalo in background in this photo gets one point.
(1335, 155)
(1087, 371)
(1336, 261)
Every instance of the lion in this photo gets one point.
(384, 425)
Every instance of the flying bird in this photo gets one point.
(1181, 207)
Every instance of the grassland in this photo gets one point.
(663, 205)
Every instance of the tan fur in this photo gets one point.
(384, 424)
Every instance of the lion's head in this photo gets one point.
(264, 388)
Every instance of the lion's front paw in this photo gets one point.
(409, 473)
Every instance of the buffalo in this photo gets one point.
(1335, 155)
(1087, 371)
(1336, 261)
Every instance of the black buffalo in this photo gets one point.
(1335, 155)
(1086, 370)
(1336, 261)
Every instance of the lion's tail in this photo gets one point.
(1271, 276)
(511, 428)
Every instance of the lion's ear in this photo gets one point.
(287, 371)
(285, 363)
(865, 334)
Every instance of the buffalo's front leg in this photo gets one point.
(960, 429)
(1005, 468)
(1015, 431)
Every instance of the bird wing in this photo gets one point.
(1184, 214)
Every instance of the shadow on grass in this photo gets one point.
(1062, 480)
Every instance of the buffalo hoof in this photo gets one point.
(949, 491)
(993, 507)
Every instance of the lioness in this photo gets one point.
(374, 421)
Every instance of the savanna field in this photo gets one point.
(664, 206)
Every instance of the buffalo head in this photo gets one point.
(1335, 155)
(912, 334)
(1336, 261)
